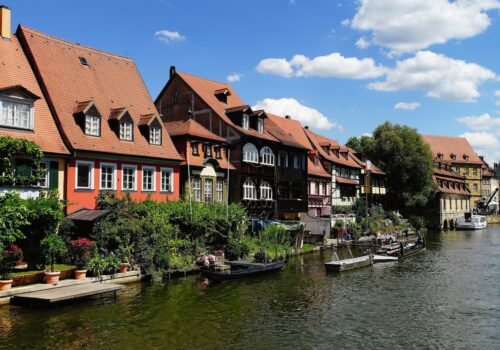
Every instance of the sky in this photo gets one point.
(340, 67)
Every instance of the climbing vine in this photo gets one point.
(15, 151)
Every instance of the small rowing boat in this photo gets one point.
(241, 270)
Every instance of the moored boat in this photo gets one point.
(347, 264)
(471, 222)
(242, 269)
(399, 251)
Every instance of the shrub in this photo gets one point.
(80, 252)
(53, 246)
(9, 259)
(96, 264)
(13, 217)
(417, 222)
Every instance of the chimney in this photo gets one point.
(5, 22)
(306, 127)
(287, 116)
(172, 71)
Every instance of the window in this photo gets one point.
(475, 171)
(245, 122)
(312, 186)
(250, 153)
(194, 148)
(108, 176)
(208, 188)
(453, 156)
(266, 156)
(126, 130)
(84, 175)
(219, 190)
(266, 191)
(197, 189)
(322, 189)
(296, 161)
(129, 178)
(474, 187)
(249, 190)
(218, 152)
(155, 136)
(260, 125)
(16, 114)
(83, 61)
(167, 180)
(148, 179)
(92, 125)
(45, 181)
(283, 159)
(316, 162)
(208, 150)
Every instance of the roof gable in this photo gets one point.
(450, 148)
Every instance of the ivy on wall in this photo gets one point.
(20, 162)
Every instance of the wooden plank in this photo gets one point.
(65, 293)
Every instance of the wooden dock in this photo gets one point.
(62, 294)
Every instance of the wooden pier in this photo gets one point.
(62, 294)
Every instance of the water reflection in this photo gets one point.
(447, 297)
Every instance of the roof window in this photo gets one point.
(83, 61)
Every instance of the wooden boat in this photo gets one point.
(405, 250)
(241, 270)
(347, 264)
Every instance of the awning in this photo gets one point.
(88, 214)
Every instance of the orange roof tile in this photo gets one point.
(287, 131)
(192, 128)
(316, 171)
(206, 88)
(16, 74)
(448, 145)
(109, 81)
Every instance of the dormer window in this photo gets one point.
(316, 162)
(218, 152)
(155, 135)
(260, 125)
(16, 107)
(92, 125)
(466, 157)
(222, 95)
(327, 149)
(440, 156)
(126, 130)
(194, 148)
(245, 121)
(208, 150)
(453, 156)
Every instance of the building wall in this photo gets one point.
(472, 173)
(451, 207)
(337, 196)
(319, 204)
(79, 198)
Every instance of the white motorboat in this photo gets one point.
(347, 264)
(471, 222)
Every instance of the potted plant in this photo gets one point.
(9, 258)
(96, 264)
(53, 246)
(80, 252)
(112, 263)
(124, 256)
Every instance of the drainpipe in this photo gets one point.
(190, 188)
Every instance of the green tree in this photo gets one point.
(361, 144)
(407, 159)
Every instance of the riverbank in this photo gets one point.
(493, 219)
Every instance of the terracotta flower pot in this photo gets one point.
(52, 277)
(5, 285)
(80, 274)
(124, 267)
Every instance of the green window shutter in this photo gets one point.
(54, 175)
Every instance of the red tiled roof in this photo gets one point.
(109, 81)
(316, 171)
(192, 128)
(448, 145)
(205, 89)
(373, 168)
(16, 75)
(343, 180)
(287, 131)
(319, 140)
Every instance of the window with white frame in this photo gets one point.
(250, 153)
(44, 183)
(249, 190)
(92, 125)
(266, 191)
(260, 125)
(266, 156)
(148, 179)
(155, 135)
(207, 190)
(322, 189)
(84, 175)
(197, 189)
(219, 190)
(245, 122)
(126, 128)
(108, 176)
(167, 180)
(312, 187)
(208, 150)
(15, 113)
(129, 182)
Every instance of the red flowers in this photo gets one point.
(81, 250)
(10, 257)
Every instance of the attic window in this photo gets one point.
(155, 135)
(453, 156)
(222, 95)
(466, 157)
(83, 61)
(440, 155)
(245, 122)
(260, 125)
(92, 125)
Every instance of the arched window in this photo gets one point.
(249, 190)
(266, 156)
(266, 191)
(250, 153)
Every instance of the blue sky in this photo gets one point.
(341, 67)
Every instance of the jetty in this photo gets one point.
(62, 294)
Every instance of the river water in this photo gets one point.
(445, 298)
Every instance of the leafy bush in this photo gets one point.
(80, 252)
(9, 259)
(13, 217)
(417, 222)
(53, 246)
(12, 149)
(96, 264)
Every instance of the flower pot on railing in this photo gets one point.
(5, 285)
(124, 267)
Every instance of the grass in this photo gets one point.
(57, 267)
(308, 246)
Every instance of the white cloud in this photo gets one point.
(346, 22)
(233, 77)
(333, 65)
(485, 135)
(362, 43)
(482, 122)
(482, 140)
(276, 66)
(169, 37)
(290, 106)
(411, 25)
(411, 106)
(439, 76)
